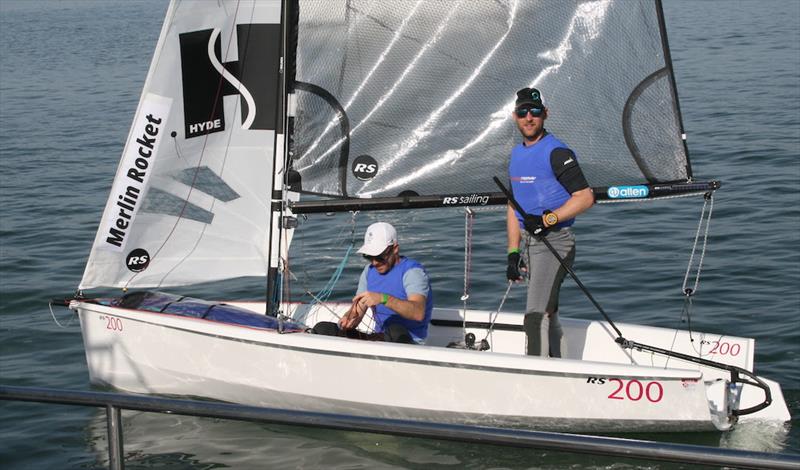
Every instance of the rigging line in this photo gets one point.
(284, 261)
(468, 218)
(327, 290)
(688, 300)
(305, 276)
(685, 311)
(71, 318)
(493, 316)
(319, 303)
(708, 201)
(194, 177)
(559, 258)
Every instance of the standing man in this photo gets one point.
(549, 185)
(396, 287)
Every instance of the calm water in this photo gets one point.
(70, 75)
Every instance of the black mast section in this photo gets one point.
(286, 73)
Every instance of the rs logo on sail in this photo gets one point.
(137, 260)
(364, 167)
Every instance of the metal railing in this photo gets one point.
(597, 445)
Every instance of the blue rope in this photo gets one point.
(326, 291)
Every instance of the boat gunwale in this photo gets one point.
(401, 352)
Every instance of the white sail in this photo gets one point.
(191, 198)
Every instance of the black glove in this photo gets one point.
(515, 264)
(534, 224)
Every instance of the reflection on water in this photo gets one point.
(153, 440)
(757, 436)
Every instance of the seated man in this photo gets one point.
(396, 287)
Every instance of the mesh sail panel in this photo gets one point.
(423, 91)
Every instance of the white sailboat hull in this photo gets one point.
(145, 352)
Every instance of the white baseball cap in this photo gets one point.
(378, 236)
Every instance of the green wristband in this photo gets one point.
(514, 250)
(385, 299)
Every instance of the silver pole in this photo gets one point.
(598, 445)
(116, 460)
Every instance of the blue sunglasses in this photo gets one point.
(523, 111)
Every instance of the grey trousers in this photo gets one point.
(542, 328)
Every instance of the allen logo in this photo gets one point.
(628, 192)
(206, 79)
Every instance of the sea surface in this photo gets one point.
(70, 76)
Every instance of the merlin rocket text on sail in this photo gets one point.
(137, 172)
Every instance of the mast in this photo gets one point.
(280, 155)
(662, 25)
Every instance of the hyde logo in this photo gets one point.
(207, 79)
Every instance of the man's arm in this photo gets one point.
(578, 202)
(569, 174)
(412, 309)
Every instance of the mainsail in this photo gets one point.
(414, 97)
(390, 100)
(192, 196)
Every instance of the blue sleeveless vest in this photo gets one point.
(392, 283)
(533, 182)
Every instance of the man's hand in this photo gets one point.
(368, 299)
(516, 266)
(534, 224)
(353, 317)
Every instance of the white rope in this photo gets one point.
(688, 293)
(469, 215)
(493, 316)
(709, 201)
(50, 305)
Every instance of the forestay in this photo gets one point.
(415, 97)
(191, 198)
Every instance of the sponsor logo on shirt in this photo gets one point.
(523, 179)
